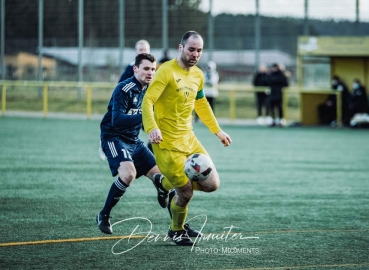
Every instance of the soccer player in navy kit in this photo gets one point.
(127, 155)
(142, 46)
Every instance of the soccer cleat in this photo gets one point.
(180, 238)
(103, 222)
(162, 193)
(191, 232)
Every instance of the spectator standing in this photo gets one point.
(142, 46)
(211, 76)
(276, 81)
(164, 58)
(260, 79)
(211, 80)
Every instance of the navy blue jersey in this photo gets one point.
(123, 119)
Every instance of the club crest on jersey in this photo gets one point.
(134, 111)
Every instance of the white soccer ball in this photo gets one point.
(198, 167)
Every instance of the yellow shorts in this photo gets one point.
(171, 161)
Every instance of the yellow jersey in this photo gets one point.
(175, 93)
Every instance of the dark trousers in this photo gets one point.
(326, 114)
(260, 103)
(275, 105)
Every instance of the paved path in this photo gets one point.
(82, 116)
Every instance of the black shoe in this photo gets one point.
(191, 232)
(162, 193)
(181, 238)
(103, 222)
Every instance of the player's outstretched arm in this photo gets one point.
(224, 138)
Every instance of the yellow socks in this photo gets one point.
(179, 215)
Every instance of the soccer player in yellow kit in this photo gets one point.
(176, 90)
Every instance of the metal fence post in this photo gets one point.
(45, 100)
(40, 43)
(210, 31)
(306, 18)
(2, 49)
(3, 99)
(257, 35)
(165, 24)
(80, 45)
(232, 105)
(89, 101)
(121, 34)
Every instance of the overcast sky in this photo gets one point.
(320, 9)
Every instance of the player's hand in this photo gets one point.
(224, 138)
(155, 136)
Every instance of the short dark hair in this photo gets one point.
(144, 56)
(187, 35)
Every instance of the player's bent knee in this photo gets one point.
(209, 188)
(127, 172)
(210, 185)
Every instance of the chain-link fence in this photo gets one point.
(92, 40)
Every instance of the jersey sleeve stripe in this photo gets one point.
(127, 87)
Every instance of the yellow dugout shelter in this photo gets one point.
(318, 60)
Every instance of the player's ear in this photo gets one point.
(135, 68)
(180, 47)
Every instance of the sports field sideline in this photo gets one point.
(290, 198)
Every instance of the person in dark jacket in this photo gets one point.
(164, 58)
(327, 111)
(359, 98)
(260, 79)
(276, 81)
(127, 156)
(142, 46)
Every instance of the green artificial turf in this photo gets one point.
(295, 198)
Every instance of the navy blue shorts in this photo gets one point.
(117, 151)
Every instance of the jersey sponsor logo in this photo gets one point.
(134, 111)
(178, 80)
(185, 88)
(128, 86)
